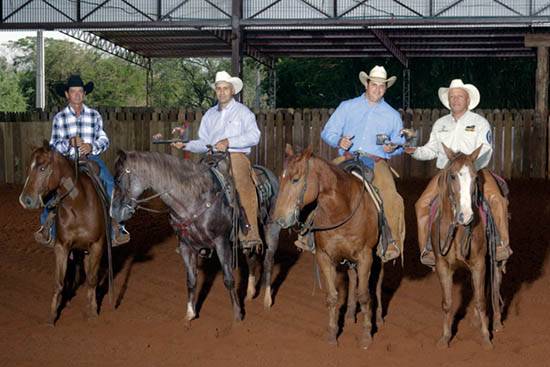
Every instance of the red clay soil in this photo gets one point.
(148, 327)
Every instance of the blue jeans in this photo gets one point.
(106, 178)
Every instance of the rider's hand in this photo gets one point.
(222, 145)
(410, 150)
(345, 142)
(84, 149)
(157, 136)
(389, 148)
(178, 130)
(178, 145)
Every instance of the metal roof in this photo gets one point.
(291, 28)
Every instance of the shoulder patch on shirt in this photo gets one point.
(470, 128)
(489, 137)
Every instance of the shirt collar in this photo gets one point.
(72, 111)
(367, 102)
(228, 107)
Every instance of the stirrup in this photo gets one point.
(427, 257)
(252, 245)
(120, 235)
(44, 236)
(392, 252)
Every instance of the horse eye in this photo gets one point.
(453, 176)
(42, 169)
(295, 180)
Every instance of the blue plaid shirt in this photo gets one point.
(89, 126)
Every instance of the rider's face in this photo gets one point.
(375, 90)
(458, 100)
(224, 92)
(75, 95)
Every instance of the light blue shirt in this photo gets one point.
(235, 123)
(356, 117)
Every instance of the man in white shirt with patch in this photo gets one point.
(462, 131)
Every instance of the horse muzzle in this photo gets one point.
(290, 220)
(30, 202)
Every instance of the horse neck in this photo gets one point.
(335, 186)
(63, 168)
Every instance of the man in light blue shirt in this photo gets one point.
(231, 126)
(354, 126)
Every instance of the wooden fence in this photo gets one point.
(519, 137)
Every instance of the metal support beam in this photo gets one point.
(237, 42)
(406, 88)
(40, 72)
(272, 91)
(390, 46)
(106, 46)
(149, 84)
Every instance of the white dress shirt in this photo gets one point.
(463, 135)
(235, 123)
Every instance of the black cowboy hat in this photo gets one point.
(74, 81)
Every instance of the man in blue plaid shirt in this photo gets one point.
(79, 127)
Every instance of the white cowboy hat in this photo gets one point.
(223, 76)
(472, 91)
(377, 74)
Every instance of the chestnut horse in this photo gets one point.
(345, 228)
(460, 238)
(80, 220)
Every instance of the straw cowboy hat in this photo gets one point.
(472, 91)
(223, 76)
(74, 81)
(377, 74)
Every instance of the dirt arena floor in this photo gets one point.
(148, 327)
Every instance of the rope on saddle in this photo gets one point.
(492, 240)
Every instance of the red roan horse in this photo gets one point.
(340, 198)
(458, 235)
(80, 220)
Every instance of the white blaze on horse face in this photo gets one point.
(465, 182)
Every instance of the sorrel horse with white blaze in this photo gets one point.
(350, 218)
(199, 213)
(81, 218)
(459, 237)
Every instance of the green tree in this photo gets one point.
(11, 98)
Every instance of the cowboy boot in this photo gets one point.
(44, 234)
(120, 234)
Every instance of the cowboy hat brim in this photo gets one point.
(364, 77)
(236, 82)
(472, 91)
(62, 88)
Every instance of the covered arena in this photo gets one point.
(146, 326)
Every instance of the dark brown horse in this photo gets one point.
(348, 211)
(199, 214)
(459, 238)
(80, 220)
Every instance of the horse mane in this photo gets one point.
(167, 171)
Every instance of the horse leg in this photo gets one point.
(497, 314)
(272, 240)
(224, 255)
(91, 266)
(446, 281)
(61, 255)
(478, 283)
(352, 294)
(252, 262)
(329, 271)
(379, 317)
(363, 269)
(190, 260)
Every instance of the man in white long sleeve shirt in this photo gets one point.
(462, 131)
(231, 126)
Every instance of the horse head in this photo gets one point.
(460, 184)
(40, 177)
(128, 187)
(296, 187)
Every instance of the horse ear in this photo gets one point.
(450, 154)
(289, 152)
(473, 156)
(46, 144)
(308, 152)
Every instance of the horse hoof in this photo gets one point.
(351, 316)
(379, 321)
(498, 327)
(365, 343)
(332, 341)
(443, 343)
(487, 345)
